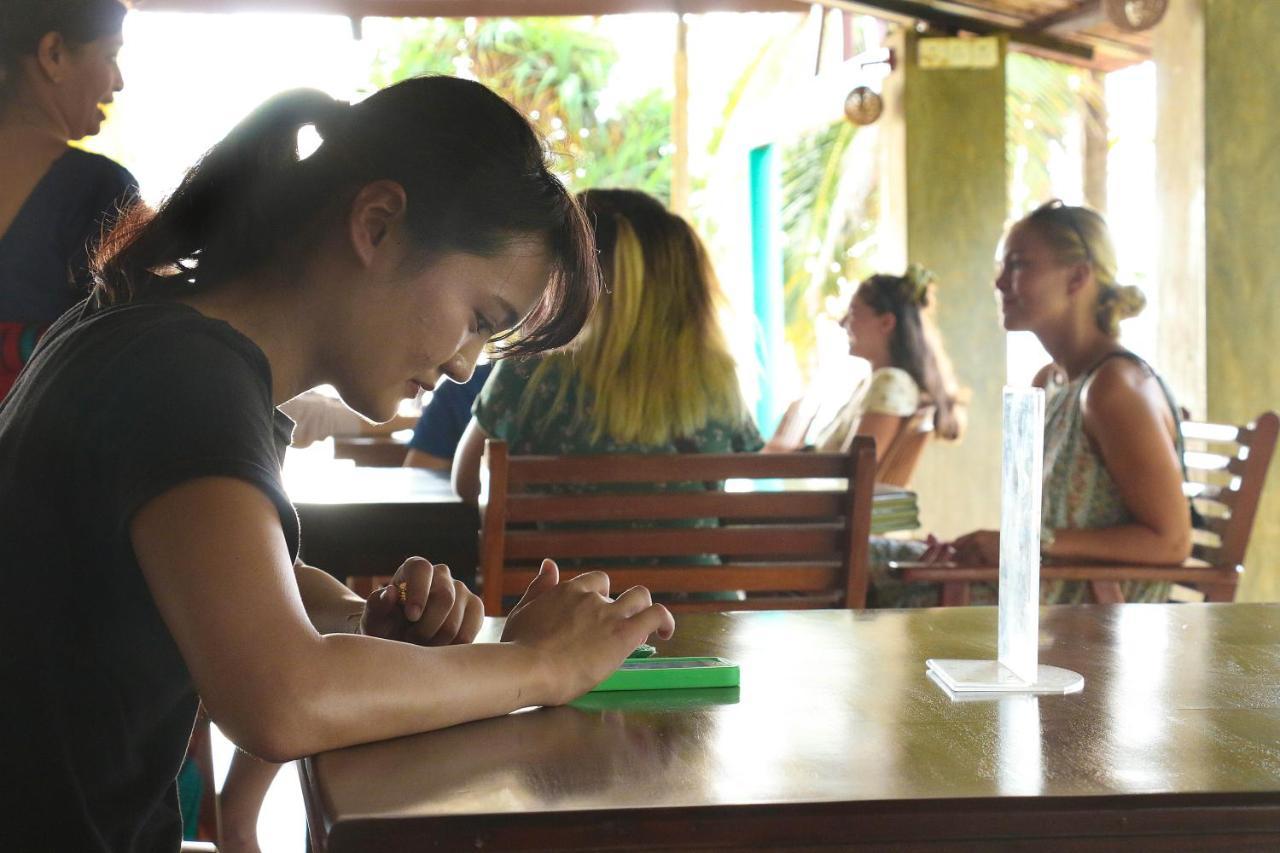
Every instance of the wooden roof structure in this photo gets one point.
(1075, 31)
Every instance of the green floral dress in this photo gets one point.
(1079, 493)
(534, 428)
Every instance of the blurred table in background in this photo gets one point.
(379, 451)
(359, 521)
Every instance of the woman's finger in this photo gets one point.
(448, 631)
(548, 576)
(413, 579)
(379, 611)
(439, 603)
(655, 619)
(633, 601)
(597, 582)
(472, 619)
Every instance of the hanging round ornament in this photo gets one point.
(1135, 15)
(863, 105)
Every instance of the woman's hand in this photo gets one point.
(979, 548)
(937, 551)
(423, 605)
(578, 632)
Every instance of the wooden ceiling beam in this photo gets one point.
(471, 8)
(1040, 37)
(909, 11)
(1084, 15)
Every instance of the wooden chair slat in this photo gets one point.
(1204, 541)
(1223, 479)
(1206, 491)
(1214, 509)
(915, 573)
(1198, 460)
(1217, 525)
(672, 505)
(731, 540)
(763, 578)
(672, 468)
(1217, 433)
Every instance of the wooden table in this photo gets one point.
(371, 450)
(359, 520)
(836, 739)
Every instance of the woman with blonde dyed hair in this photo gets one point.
(1112, 447)
(650, 373)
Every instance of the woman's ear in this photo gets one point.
(1078, 278)
(376, 209)
(51, 56)
(888, 321)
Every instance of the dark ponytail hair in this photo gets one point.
(916, 344)
(473, 169)
(24, 22)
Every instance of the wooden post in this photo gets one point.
(680, 122)
(1095, 141)
(943, 201)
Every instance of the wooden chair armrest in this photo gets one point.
(944, 572)
(1192, 571)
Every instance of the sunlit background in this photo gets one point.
(606, 110)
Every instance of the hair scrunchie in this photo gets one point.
(333, 120)
(918, 280)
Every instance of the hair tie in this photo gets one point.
(918, 279)
(333, 120)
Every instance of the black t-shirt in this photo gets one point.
(116, 407)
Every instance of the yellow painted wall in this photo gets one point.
(1242, 241)
(953, 133)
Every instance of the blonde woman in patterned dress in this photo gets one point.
(1112, 467)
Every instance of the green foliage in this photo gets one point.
(555, 71)
(830, 233)
(1043, 101)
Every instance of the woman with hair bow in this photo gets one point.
(890, 324)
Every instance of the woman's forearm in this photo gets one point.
(353, 689)
(1127, 543)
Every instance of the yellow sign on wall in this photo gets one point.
(958, 52)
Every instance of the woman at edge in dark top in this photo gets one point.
(57, 69)
(142, 516)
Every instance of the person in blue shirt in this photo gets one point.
(443, 421)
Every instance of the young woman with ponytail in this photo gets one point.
(1113, 450)
(147, 546)
(890, 324)
(57, 71)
